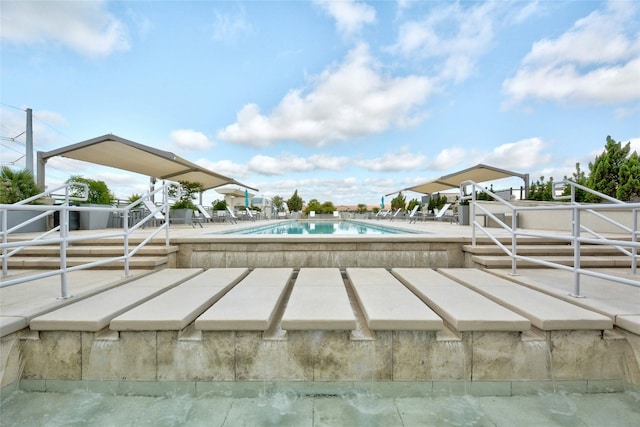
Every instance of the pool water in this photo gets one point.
(286, 408)
(320, 227)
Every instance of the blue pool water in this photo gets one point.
(320, 227)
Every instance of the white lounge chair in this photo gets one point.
(158, 216)
(250, 215)
(384, 214)
(396, 214)
(204, 212)
(412, 216)
(439, 214)
(232, 217)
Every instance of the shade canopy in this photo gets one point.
(114, 151)
(479, 173)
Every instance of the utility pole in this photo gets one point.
(29, 150)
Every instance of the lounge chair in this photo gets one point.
(412, 216)
(439, 214)
(232, 217)
(204, 213)
(158, 216)
(384, 214)
(250, 215)
(395, 214)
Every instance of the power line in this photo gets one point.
(12, 106)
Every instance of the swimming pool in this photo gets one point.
(320, 227)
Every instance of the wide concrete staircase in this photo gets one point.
(488, 255)
(153, 256)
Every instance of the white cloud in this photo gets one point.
(519, 156)
(453, 33)
(350, 15)
(348, 101)
(597, 61)
(84, 26)
(225, 167)
(191, 140)
(448, 158)
(394, 161)
(227, 27)
(289, 163)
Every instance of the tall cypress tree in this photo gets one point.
(629, 188)
(605, 169)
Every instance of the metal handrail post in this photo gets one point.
(576, 252)
(5, 258)
(64, 234)
(125, 226)
(634, 239)
(165, 206)
(473, 215)
(514, 242)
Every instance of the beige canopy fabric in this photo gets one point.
(117, 152)
(479, 173)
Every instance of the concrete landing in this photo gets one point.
(459, 306)
(249, 306)
(179, 306)
(95, 313)
(543, 311)
(319, 301)
(388, 305)
(619, 302)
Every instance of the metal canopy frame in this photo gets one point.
(478, 173)
(114, 151)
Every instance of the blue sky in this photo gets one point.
(342, 100)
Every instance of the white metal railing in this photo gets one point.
(12, 242)
(627, 244)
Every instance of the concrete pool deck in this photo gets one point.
(512, 332)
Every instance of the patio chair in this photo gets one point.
(439, 214)
(384, 214)
(158, 216)
(204, 213)
(412, 216)
(250, 215)
(232, 217)
(395, 214)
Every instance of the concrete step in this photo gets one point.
(542, 250)
(53, 263)
(606, 261)
(101, 250)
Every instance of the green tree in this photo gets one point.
(362, 208)
(98, 191)
(313, 206)
(412, 203)
(398, 202)
(579, 177)
(295, 202)
(219, 205)
(16, 185)
(134, 198)
(186, 194)
(328, 208)
(278, 203)
(541, 190)
(604, 175)
(629, 188)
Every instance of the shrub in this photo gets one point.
(16, 185)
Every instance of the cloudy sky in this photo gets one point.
(342, 100)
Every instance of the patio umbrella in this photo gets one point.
(382, 203)
(246, 198)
